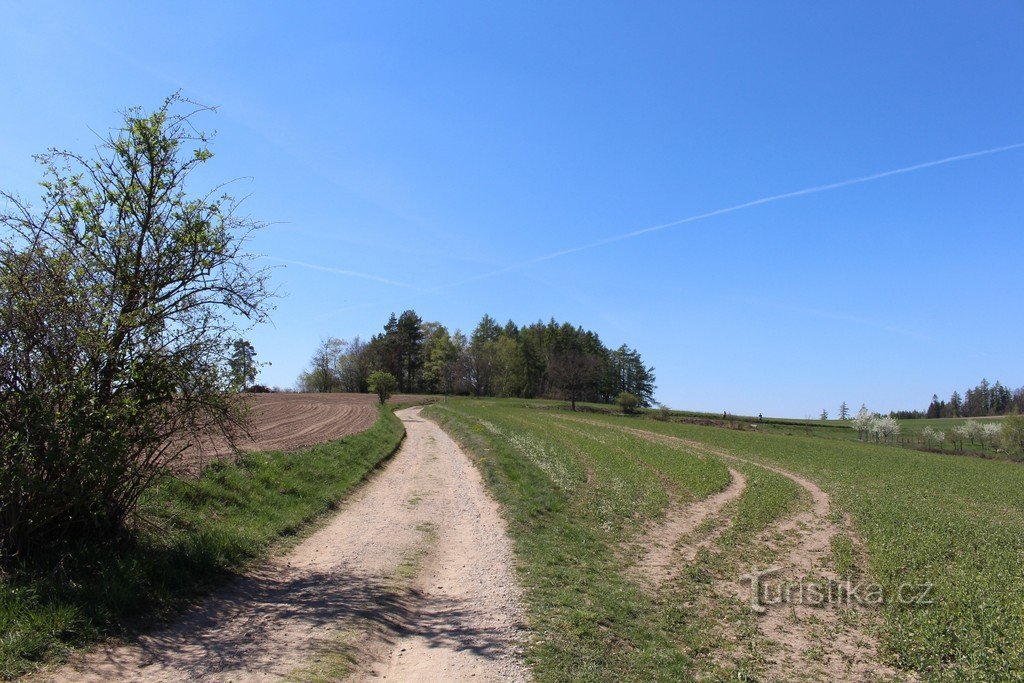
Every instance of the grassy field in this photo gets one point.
(576, 495)
(826, 429)
(198, 533)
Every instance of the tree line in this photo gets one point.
(539, 360)
(983, 400)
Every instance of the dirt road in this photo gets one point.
(411, 580)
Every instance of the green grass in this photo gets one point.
(575, 496)
(199, 533)
(842, 430)
(954, 522)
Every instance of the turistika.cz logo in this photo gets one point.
(765, 593)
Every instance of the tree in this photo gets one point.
(862, 422)
(969, 431)
(242, 364)
(409, 342)
(482, 354)
(955, 406)
(1017, 401)
(884, 428)
(509, 368)
(628, 402)
(117, 292)
(844, 411)
(990, 432)
(932, 438)
(442, 356)
(1012, 433)
(824, 415)
(629, 374)
(384, 384)
(322, 376)
(573, 374)
(353, 367)
(384, 351)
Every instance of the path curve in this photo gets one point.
(412, 578)
(813, 642)
(667, 546)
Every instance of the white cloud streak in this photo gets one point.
(343, 271)
(736, 207)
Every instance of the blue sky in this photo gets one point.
(430, 145)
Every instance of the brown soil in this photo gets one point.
(667, 546)
(287, 422)
(410, 580)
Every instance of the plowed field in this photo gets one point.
(285, 422)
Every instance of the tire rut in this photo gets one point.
(811, 642)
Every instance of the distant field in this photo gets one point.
(584, 491)
(291, 421)
(828, 429)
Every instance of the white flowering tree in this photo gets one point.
(970, 431)
(932, 438)
(862, 422)
(884, 428)
(990, 432)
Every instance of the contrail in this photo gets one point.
(737, 207)
(342, 271)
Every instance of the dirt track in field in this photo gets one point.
(411, 580)
(666, 545)
(811, 642)
(288, 422)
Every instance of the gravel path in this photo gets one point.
(411, 580)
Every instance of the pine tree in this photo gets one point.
(242, 364)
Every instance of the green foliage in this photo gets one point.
(541, 359)
(628, 402)
(384, 384)
(116, 295)
(205, 530)
(441, 353)
(1012, 434)
(242, 364)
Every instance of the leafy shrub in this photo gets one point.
(116, 294)
(384, 383)
(1012, 433)
(628, 402)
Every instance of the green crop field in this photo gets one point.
(581, 489)
(909, 437)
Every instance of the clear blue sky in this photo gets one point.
(432, 144)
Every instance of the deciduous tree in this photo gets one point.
(574, 373)
(383, 384)
(119, 293)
